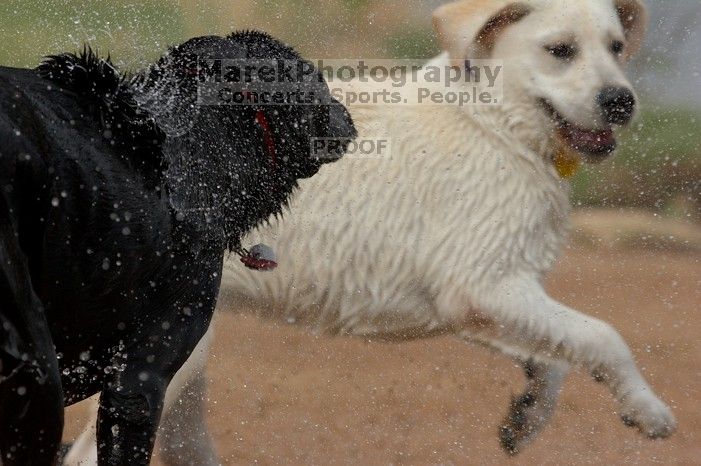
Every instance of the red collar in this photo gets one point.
(268, 138)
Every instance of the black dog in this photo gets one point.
(118, 200)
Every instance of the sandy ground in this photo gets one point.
(280, 395)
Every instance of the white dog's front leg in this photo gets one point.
(528, 319)
(531, 411)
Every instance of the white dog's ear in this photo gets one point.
(634, 17)
(470, 28)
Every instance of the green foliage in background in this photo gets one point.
(139, 30)
(355, 5)
(412, 43)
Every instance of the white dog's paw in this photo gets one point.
(649, 414)
(528, 415)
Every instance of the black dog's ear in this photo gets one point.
(168, 92)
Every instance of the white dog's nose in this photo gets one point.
(617, 104)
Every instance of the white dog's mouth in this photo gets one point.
(593, 144)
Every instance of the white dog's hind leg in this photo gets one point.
(529, 320)
(531, 411)
(183, 437)
(83, 452)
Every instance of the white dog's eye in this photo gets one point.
(562, 51)
(617, 47)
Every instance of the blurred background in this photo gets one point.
(658, 168)
(280, 395)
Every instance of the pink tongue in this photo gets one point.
(590, 140)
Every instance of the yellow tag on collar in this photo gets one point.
(566, 162)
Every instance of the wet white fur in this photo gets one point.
(454, 232)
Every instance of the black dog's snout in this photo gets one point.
(336, 132)
(617, 104)
(340, 122)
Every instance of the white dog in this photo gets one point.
(454, 233)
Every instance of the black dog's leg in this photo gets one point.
(31, 398)
(128, 418)
(131, 404)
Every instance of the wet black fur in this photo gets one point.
(110, 98)
(119, 197)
